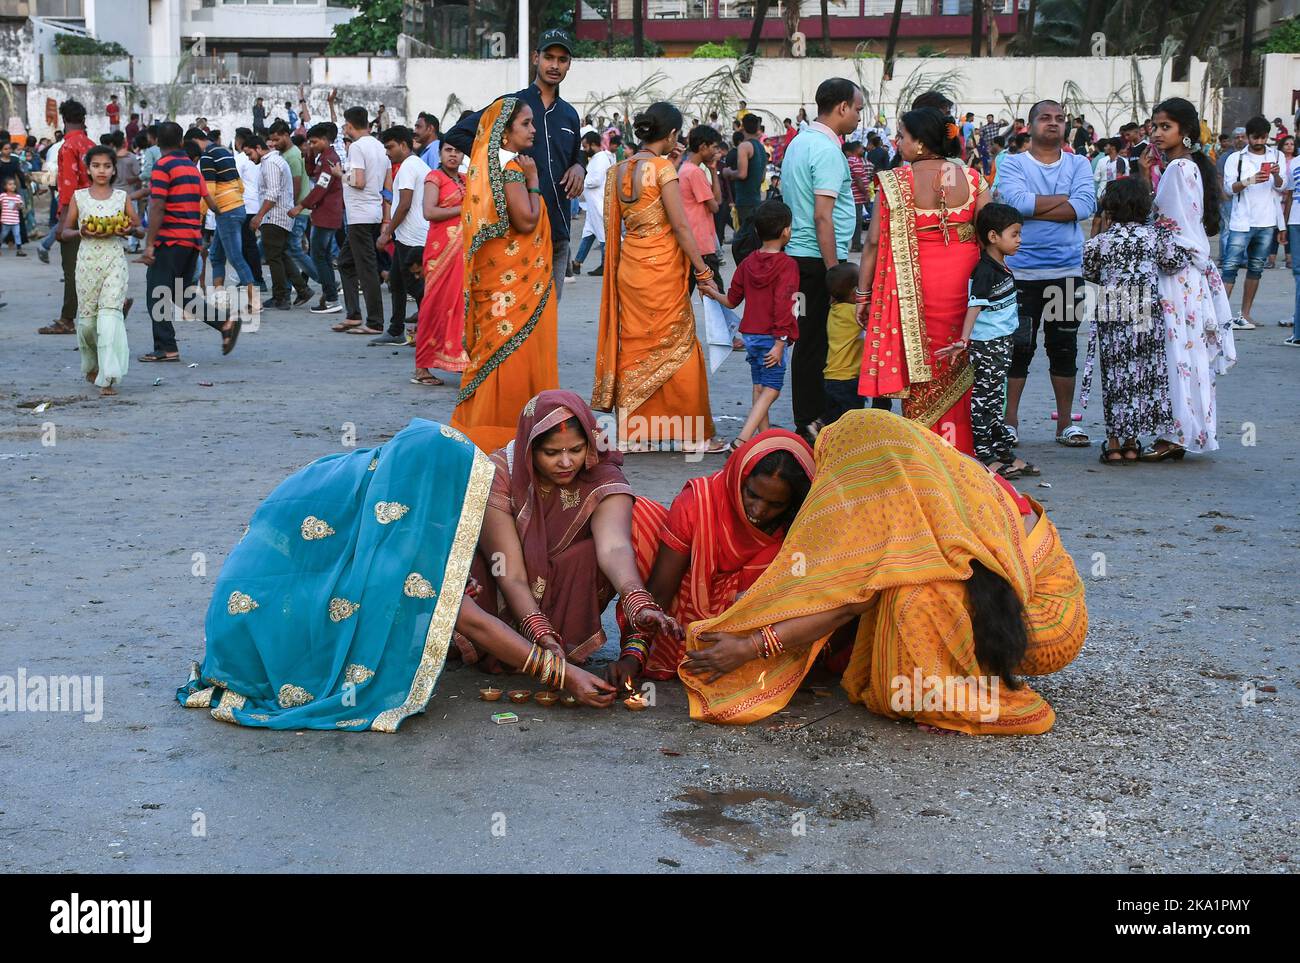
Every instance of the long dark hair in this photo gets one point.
(783, 465)
(1182, 113)
(656, 122)
(997, 619)
(931, 128)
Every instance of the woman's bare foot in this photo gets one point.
(91, 376)
(106, 391)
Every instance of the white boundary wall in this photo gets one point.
(782, 86)
(1280, 76)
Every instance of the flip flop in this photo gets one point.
(364, 330)
(157, 356)
(57, 328)
(343, 326)
(428, 381)
(1073, 437)
(228, 338)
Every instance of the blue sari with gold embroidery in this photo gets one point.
(336, 609)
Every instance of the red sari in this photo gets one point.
(707, 522)
(554, 527)
(440, 336)
(918, 304)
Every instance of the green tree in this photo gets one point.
(373, 30)
(1284, 38)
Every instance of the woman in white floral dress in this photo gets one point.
(1198, 339)
(101, 270)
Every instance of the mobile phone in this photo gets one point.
(1266, 167)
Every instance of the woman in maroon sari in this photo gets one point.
(439, 337)
(556, 543)
(914, 281)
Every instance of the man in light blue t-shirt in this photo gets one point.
(1053, 190)
(816, 185)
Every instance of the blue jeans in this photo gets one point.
(322, 247)
(297, 251)
(1249, 248)
(584, 247)
(228, 245)
(11, 231)
(1292, 239)
(1225, 215)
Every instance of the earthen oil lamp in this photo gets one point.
(520, 695)
(489, 694)
(569, 701)
(635, 701)
(547, 699)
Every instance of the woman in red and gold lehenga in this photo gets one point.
(913, 282)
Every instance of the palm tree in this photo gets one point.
(826, 28)
(1196, 37)
(756, 34)
(638, 28)
(893, 39)
(976, 26)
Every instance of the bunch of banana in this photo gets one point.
(107, 223)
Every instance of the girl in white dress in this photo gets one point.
(1198, 336)
(101, 269)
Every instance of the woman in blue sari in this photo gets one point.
(336, 609)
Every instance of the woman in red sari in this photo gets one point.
(914, 279)
(556, 543)
(440, 336)
(718, 537)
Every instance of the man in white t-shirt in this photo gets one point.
(593, 201)
(364, 178)
(251, 177)
(407, 230)
(1253, 178)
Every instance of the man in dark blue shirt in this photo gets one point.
(557, 147)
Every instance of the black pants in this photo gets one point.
(284, 269)
(714, 261)
(359, 266)
(173, 266)
(807, 393)
(68, 255)
(1055, 306)
(401, 282)
(249, 248)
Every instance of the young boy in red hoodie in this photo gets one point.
(767, 281)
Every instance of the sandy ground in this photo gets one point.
(1156, 764)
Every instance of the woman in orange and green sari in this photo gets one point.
(915, 277)
(650, 367)
(958, 585)
(510, 321)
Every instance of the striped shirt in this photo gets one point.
(277, 186)
(9, 206)
(175, 181)
(217, 164)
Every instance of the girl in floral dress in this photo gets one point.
(1198, 339)
(101, 271)
(1128, 327)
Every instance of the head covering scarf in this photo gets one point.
(545, 533)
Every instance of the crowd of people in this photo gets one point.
(970, 248)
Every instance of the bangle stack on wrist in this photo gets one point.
(768, 643)
(636, 603)
(860, 296)
(537, 626)
(547, 667)
(634, 647)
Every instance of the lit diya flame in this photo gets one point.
(636, 702)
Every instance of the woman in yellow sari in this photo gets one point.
(510, 322)
(958, 584)
(650, 367)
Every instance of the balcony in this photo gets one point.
(861, 18)
(286, 68)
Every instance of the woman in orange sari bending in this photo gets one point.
(510, 323)
(650, 368)
(439, 337)
(958, 586)
(718, 537)
(914, 279)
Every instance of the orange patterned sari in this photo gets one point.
(649, 364)
(895, 517)
(510, 321)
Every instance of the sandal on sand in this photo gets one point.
(228, 338)
(1073, 437)
(345, 326)
(58, 327)
(362, 329)
(1009, 472)
(1107, 451)
(158, 356)
(1026, 468)
(428, 380)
